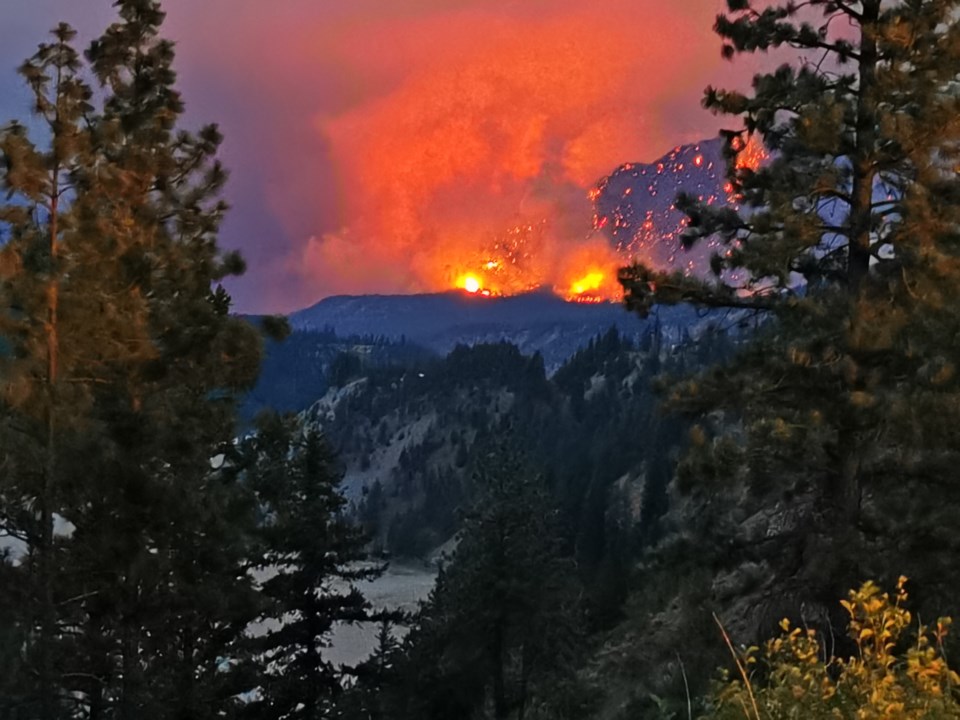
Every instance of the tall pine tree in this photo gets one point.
(842, 414)
(502, 621)
(120, 369)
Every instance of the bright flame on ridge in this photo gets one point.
(591, 281)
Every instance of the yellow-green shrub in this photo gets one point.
(889, 679)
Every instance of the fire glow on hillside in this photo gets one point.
(587, 272)
(477, 166)
(473, 167)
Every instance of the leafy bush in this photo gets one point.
(893, 677)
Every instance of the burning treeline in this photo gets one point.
(587, 271)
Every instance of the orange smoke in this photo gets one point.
(385, 146)
(473, 170)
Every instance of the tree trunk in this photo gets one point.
(500, 708)
(525, 671)
(128, 686)
(847, 495)
(96, 702)
(47, 490)
(188, 685)
(863, 159)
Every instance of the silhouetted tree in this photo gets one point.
(504, 615)
(310, 557)
(841, 417)
(118, 383)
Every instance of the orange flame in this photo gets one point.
(469, 283)
(752, 155)
(590, 273)
(591, 281)
(584, 272)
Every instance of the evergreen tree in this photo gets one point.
(503, 616)
(841, 416)
(119, 378)
(310, 561)
(367, 699)
(36, 366)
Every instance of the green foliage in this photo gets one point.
(502, 622)
(118, 384)
(308, 557)
(891, 676)
(831, 435)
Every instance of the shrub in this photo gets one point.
(895, 675)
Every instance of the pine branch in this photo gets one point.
(848, 10)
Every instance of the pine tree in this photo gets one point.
(183, 399)
(841, 414)
(310, 558)
(367, 698)
(503, 616)
(120, 374)
(41, 398)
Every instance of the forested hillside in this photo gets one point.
(300, 368)
(413, 437)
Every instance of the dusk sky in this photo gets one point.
(375, 145)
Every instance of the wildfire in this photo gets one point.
(751, 155)
(593, 286)
(591, 281)
(588, 289)
(586, 274)
(474, 284)
(589, 273)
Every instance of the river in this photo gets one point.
(401, 587)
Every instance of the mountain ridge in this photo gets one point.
(534, 322)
